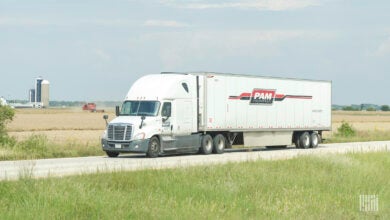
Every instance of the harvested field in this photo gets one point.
(74, 125)
(59, 125)
(56, 119)
(362, 121)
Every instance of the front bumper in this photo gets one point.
(138, 146)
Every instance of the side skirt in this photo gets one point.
(181, 144)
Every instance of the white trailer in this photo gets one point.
(206, 112)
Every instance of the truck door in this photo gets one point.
(166, 113)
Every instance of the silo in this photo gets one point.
(31, 95)
(45, 93)
(38, 89)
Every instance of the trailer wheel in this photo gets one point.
(206, 145)
(296, 140)
(314, 140)
(219, 144)
(304, 140)
(154, 147)
(112, 154)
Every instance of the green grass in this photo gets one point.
(326, 187)
(360, 136)
(39, 147)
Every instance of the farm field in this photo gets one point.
(369, 126)
(362, 121)
(53, 133)
(73, 132)
(61, 125)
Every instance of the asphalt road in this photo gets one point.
(13, 170)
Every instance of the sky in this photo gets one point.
(94, 50)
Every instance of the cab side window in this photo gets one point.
(166, 109)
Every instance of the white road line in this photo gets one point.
(13, 170)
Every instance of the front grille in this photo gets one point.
(119, 132)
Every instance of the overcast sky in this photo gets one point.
(95, 49)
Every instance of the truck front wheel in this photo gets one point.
(154, 147)
(112, 154)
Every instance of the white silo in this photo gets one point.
(45, 86)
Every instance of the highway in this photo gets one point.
(43, 168)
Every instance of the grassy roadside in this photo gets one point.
(360, 136)
(302, 188)
(39, 147)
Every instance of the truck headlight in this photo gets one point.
(139, 136)
(104, 135)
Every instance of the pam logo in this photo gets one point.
(263, 96)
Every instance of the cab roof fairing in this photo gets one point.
(162, 87)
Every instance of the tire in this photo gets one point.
(154, 147)
(296, 140)
(112, 154)
(206, 145)
(219, 142)
(314, 140)
(304, 140)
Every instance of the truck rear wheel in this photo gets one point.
(304, 140)
(206, 145)
(112, 154)
(154, 147)
(219, 144)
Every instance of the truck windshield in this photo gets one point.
(140, 108)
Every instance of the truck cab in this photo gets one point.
(158, 116)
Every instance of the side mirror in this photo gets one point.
(142, 121)
(105, 117)
(117, 110)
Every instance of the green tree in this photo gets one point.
(6, 115)
(385, 108)
(346, 130)
(349, 108)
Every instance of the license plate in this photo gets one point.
(118, 146)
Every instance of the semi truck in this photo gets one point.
(206, 112)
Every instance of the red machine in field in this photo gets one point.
(89, 107)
